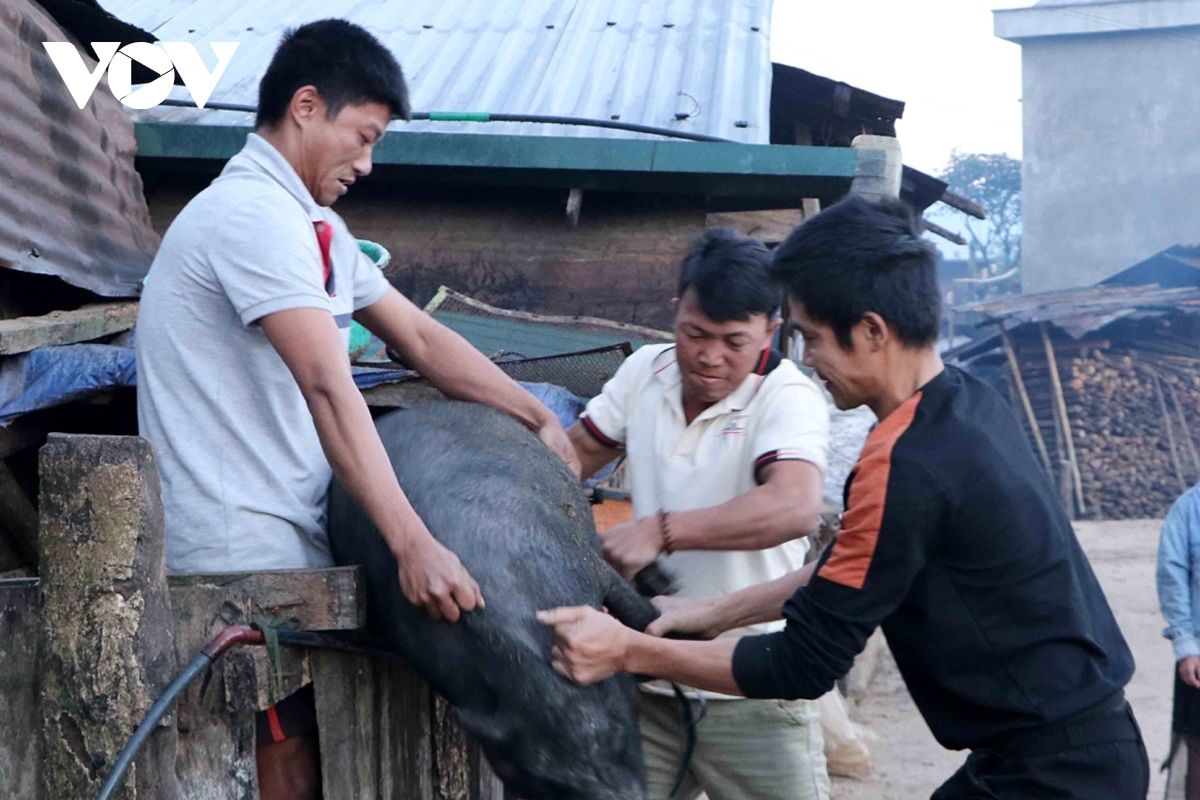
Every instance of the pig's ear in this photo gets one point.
(489, 726)
(633, 610)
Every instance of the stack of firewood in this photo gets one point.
(1134, 419)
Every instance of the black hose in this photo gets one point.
(484, 116)
(234, 634)
(689, 721)
(197, 666)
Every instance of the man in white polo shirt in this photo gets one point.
(725, 444)
(245, 389)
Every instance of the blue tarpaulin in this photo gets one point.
(52, 376)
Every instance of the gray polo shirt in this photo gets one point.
(244, 478)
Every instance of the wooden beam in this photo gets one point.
(938, 230)
(309, 599)
(1015, 366)
(1064, 419)
(23, 334)
(1162, 407)
(963, 204)
(1189, 443)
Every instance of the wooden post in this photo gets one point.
(1162, 405)
(1033, 423)
(107, 627)
(1189, 442)
(1064, 419)
(20, 689)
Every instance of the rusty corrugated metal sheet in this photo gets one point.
(702, 66)
(1081, 311)
(71, 202)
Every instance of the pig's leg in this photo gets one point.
(624, 603)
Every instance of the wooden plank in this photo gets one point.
(20, 689)
(23, 334)
(215, 759)
(451, 760)
(374, 720)
(309, 599)
(108, 647)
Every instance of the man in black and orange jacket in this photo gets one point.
(953, 542)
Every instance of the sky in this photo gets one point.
(961, 85)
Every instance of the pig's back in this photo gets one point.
(511, 510)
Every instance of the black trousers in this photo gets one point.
(1099, 757)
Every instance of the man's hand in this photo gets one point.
(553, 436)
(432, 578)
(691, 618)
(632, 545)
(1189, 671)
(589, 644)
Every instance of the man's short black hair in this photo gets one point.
(863, 255)
(730, 274)
(347, 65)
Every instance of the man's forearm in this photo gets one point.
(702, 665)
(764, 517)
(460, 371)
(356, 454)
(757, 604)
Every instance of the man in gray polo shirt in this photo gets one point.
(245, 389)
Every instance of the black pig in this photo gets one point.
(521, 524)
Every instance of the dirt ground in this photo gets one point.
(909, 764)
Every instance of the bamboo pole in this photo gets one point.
(1066, 420)
(1020, 382)
(1187, 431)
(1162, 405)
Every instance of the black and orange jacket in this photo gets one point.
(955, 543)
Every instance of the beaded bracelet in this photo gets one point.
(664, 528)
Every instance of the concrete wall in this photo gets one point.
(513, 248)
(1111, 152)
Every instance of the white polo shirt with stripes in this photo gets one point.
(776, 414)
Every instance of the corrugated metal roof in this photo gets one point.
(1083, 310)
(644, 61)
(1178, 265)
(71, 202)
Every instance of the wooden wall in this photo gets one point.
(514, 248)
